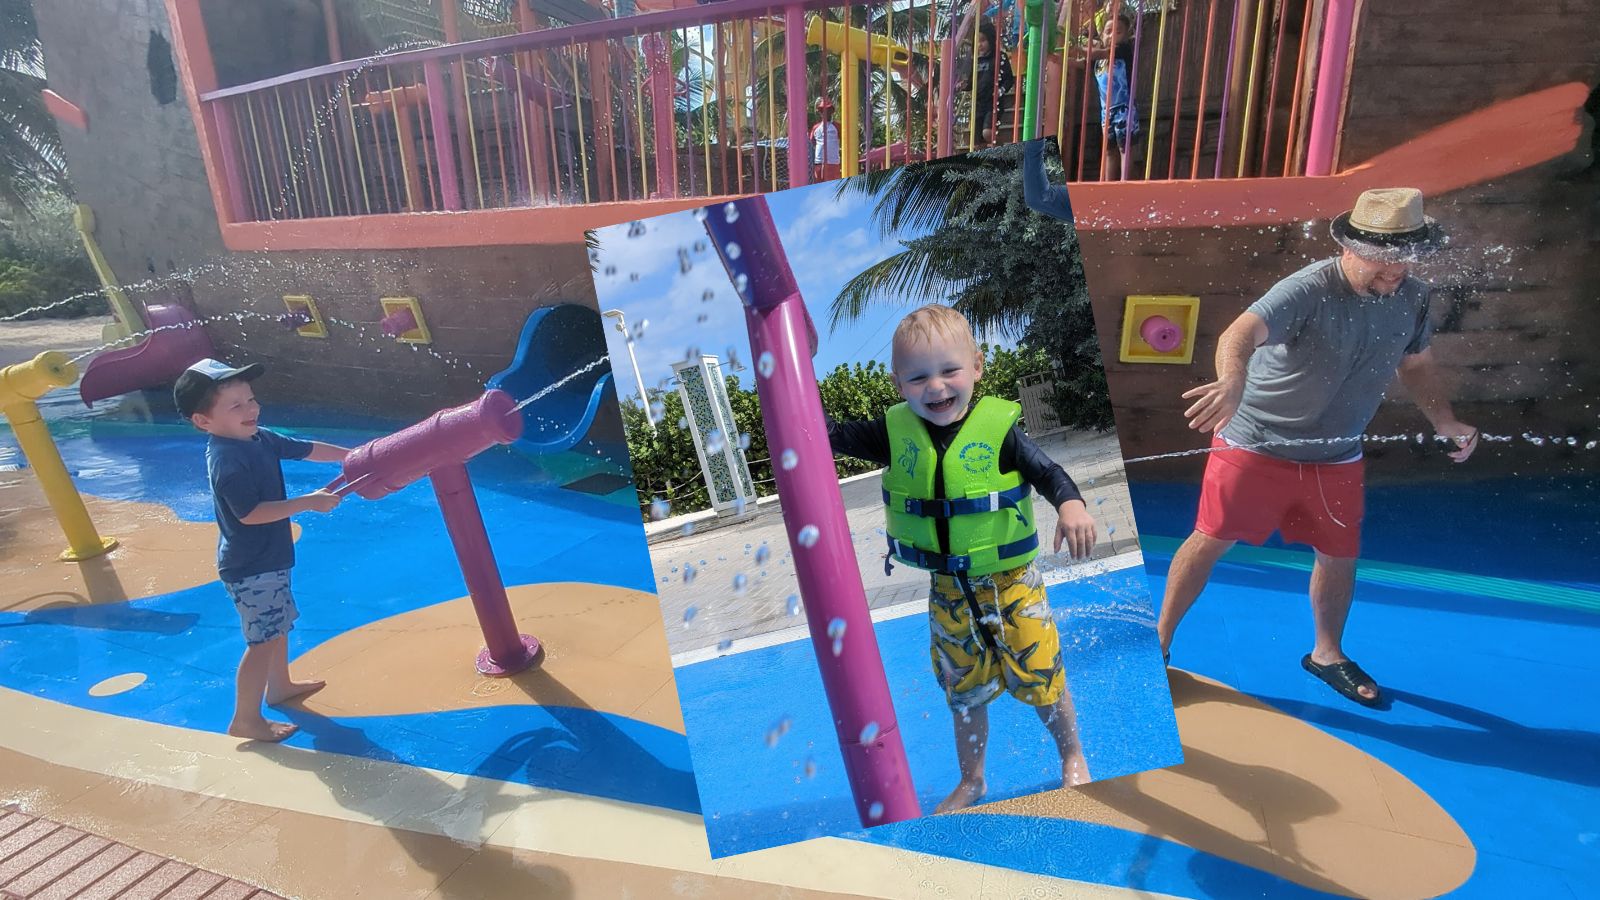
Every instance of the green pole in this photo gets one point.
(1038, 12)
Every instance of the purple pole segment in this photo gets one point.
(449, 437)
(814, 517)
(439, 122)
(507, 651)
(1227, 88)
(440, 446)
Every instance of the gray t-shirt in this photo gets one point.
(1329, 356)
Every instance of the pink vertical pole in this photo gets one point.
(232, 168)
(507, 652)
(1133, 98)
(794, 71)
(661, 102)
(1227, 87)
(1332, 61)
(439, 120)
(825, 561)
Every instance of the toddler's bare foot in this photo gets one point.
(965, 794)
(295, 689)
(262, 730)
(1074, 770)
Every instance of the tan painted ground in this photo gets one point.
(157, 554)
(319, 825)
(605, 650)
(1264, 789)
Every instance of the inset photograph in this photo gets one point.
(887, 514)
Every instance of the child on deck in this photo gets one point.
(256, 550)
(825, 145)
(990, 624)
(1118, 119)
(991, 84)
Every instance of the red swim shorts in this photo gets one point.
(1247, 496)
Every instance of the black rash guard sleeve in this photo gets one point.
(867, 439)
(1021, 455)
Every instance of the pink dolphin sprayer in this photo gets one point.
(782, 339)
(439, 448)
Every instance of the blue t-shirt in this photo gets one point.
(245, 474)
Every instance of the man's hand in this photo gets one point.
(1076, 528)
(322, 501)
(1464, 437)
(1217, 403)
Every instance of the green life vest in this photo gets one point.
(990, 515)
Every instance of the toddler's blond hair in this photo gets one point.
(927, 324)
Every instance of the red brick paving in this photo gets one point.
(45, 860)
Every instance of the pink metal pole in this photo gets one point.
(232, 168)
(439, 121)
(507, 652)
(1332, 61)
(440, 446)
(794, 73)
(819, 535)
(662, 105)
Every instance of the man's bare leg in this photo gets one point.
(1186, 578)
(972, 743)
(1333, 585)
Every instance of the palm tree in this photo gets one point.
(31, 162)
(1010, 271)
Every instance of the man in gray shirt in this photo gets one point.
(1300, 374)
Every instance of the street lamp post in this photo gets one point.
(644, 396)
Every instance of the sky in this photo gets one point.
(827, 240)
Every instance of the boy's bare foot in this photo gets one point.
(1074, 770)
(965, 794)
(262, 730)
(296, 689)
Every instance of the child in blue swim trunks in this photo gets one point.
(256, 549)
(1112, 78)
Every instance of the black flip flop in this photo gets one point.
(1344, 677)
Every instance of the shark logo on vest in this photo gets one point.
(908, 458)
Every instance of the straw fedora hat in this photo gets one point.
(1387, 225)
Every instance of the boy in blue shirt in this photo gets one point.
(256, 549)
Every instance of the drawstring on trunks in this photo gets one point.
(1317, 471)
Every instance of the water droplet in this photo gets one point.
(707, 296)
(700, 214)
(793, 604)
(724, 644)
(765, 364)
(684, 262)
(869, 733)
(699, 246)
(740, 583)
(658, 410)
(811, 767)
(741, 281)
(701, 319)
(1110, 530)
(738, 506)
(688, 573)
(790, 459)
(730, 213)
(762, 553)
(659, 509)
(689, 614)
(633, 276)
(808, 536)
(683, 422)
(688, 529)
(875, 811)
(1591, 445)
(635, 229)
(639, 328)
(610, 271)
(715, 442)
(744, 440)
(733, 250)
(776, 733)
(691, 354)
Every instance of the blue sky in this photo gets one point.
(828, 241)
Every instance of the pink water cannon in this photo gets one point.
(837, 615)
(1161, 334)
(438, 448)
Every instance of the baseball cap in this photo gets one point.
(198, 379)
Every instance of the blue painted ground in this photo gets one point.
(364, 562)
(754, 796)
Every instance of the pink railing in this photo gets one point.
(719, 100)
